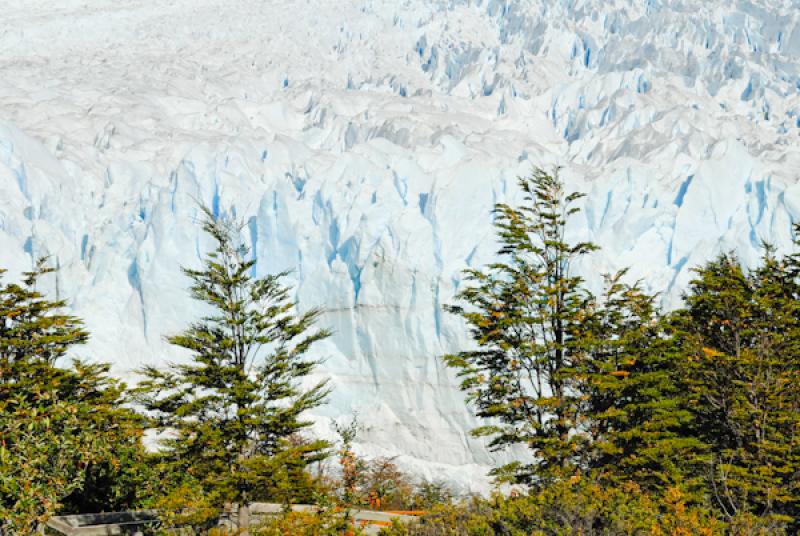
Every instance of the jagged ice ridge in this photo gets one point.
(364, 144)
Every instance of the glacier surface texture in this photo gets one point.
(363, 143)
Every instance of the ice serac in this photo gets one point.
(364, 143)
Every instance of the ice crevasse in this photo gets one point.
(364, 144)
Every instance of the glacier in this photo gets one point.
(363, 144)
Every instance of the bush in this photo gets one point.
(325, 522)
(566, 508)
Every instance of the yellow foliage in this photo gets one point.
(679, 520)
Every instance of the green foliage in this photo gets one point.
(740, 334)
(705, 401)
(527, 316)
(637, 406)
(574, 377)
(56, 424)
(580, 507)
(637, 422)
(430, 493)
(185, 505)
(235, 410)
(44, 450)
(323, 522)
(122, 480)
(33, 333)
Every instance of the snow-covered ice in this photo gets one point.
(363, 143)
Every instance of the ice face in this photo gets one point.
(363, 144)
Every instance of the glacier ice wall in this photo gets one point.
(364, 144)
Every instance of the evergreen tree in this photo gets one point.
(33, 333)
(740, 333)
(528, 316)
(589, 383)
(56, 423)
(636, 395)
(235, 410)
(121, 478)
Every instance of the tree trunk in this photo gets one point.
(244, 519)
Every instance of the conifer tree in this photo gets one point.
(528, 315)
(235, 410)
(56, 422)
(589, 383)
(740, 333)
(636, 395)
(34, 334)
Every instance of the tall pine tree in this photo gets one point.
(234, 412)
